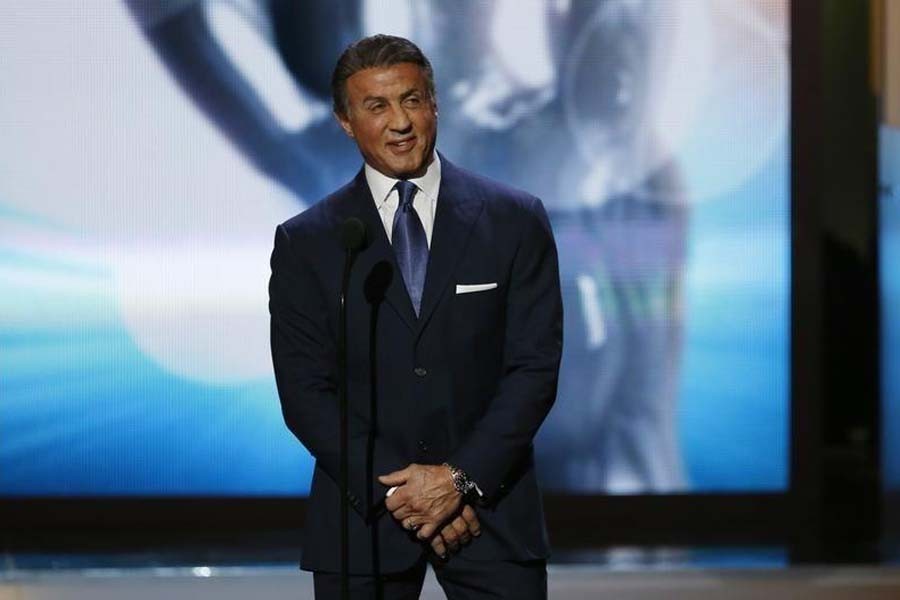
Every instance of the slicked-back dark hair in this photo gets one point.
(375, 51)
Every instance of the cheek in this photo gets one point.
(368, 130)
(371, 138)
(426, 124)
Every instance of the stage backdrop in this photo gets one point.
(889, 216)
(149, 148)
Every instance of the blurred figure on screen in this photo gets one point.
(556, 97)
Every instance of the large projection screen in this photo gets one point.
(148, 149)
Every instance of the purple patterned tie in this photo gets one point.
(410, 244)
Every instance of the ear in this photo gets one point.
(344, 122)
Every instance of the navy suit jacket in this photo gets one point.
(467, 382)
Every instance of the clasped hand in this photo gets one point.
(427, 502)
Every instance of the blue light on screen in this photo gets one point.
(889, 255)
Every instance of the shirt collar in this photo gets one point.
(381, 185)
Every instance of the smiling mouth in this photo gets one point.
(402, 145)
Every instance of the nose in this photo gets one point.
(400, 121)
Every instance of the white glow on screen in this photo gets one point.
(253, 55)
(519, 36)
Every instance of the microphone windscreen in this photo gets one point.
(353, 234)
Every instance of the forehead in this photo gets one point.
(386, 81)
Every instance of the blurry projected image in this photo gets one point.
(889, 216)
(149, 148)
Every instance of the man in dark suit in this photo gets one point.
(454, 329)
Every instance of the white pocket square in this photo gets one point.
(468, 288)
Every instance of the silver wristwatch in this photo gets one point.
(462, 483)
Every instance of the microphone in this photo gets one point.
(353, 234)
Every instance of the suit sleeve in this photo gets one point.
(304, 356)
(532, 352)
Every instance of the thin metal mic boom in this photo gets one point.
(353, 238)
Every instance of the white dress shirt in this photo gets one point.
(387, 198)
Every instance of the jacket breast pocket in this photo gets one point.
(477, 307)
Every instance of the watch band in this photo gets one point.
(463, 484)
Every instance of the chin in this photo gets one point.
(407, 168)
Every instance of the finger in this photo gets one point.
(409, 524)
(451, 538)
(407, 511)
(395, 478)
(471, 519)
(427, 530)
(437, 544)
(462, 530)
(451, 546)
(397, 499)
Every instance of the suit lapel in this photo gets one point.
(458, 207)
(359, 203)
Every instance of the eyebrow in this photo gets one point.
(403, 96)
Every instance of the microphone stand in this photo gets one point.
(342, 400)
(353, 238)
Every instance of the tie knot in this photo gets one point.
(406, 189)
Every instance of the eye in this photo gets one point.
(376, 107)
(413, 101)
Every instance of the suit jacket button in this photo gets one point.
(423, 447)
(420, 371)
